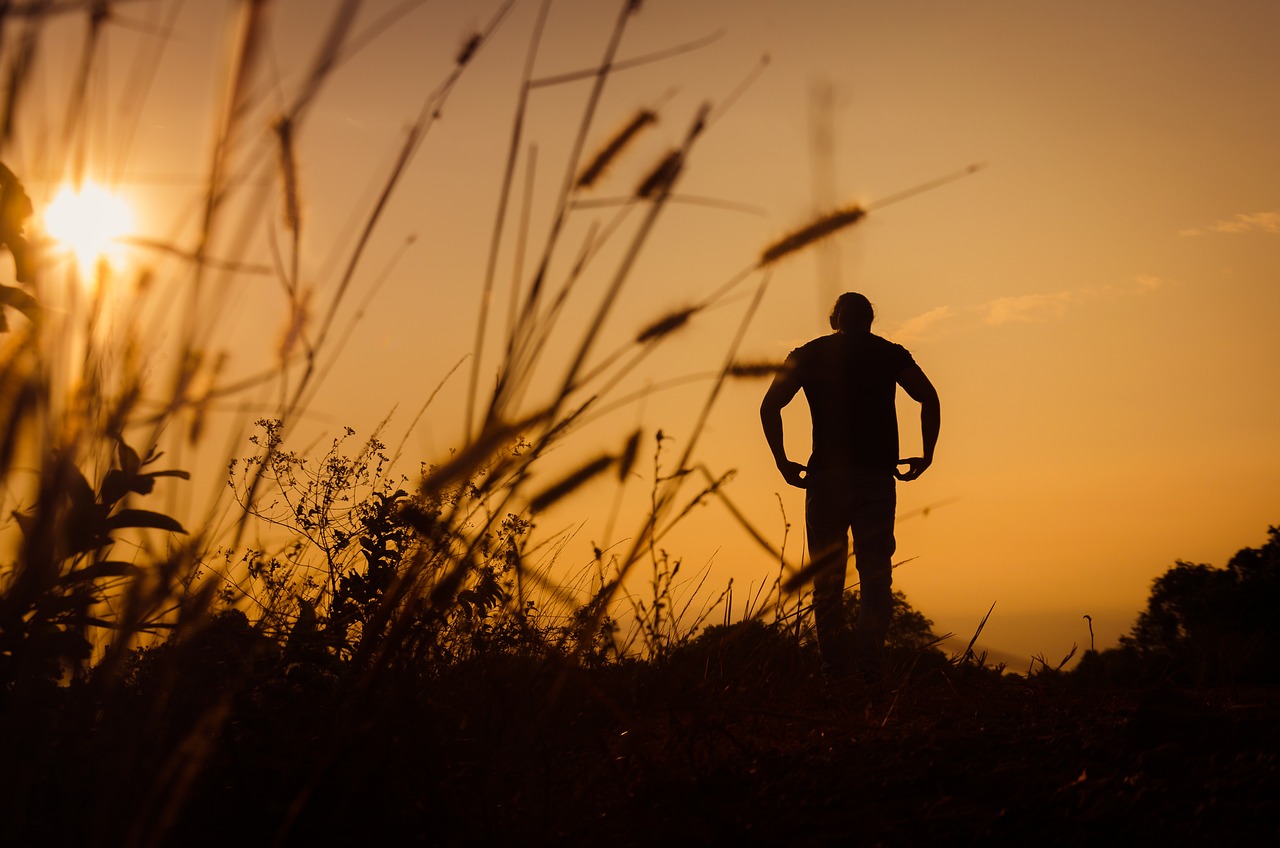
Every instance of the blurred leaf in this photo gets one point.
(86, 530)
(67, 644)
(21, 301)
(107, 568)
(15, 209)
(24, 521)
(80, 492)
(55, 606)
(119, 483)
(127, 518)
(129, 460)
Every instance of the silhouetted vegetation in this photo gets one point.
(492, 721)
(1205, 625)
(360, 655)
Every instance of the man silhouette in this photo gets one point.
(850, 381)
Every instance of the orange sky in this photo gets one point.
(1097, 306)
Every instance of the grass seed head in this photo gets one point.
(614, 147)
(629, 453)
(289, 175)
(469, 49)
(661, 177)
(753, 370)
(666, 325)
(572, 481)
(807, 235)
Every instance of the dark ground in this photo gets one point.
(957, 762)
(697, 751)
(948, 756)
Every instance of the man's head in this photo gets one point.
(852, 313)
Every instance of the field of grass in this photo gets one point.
(732, 739)
(338, 650)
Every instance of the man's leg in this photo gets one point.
(827, 532)
(875, 502)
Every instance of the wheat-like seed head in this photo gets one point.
(662, 176)
(807, 235)
(289, 174)
(614, 147)
(468, 49)
(666, 325)
(751, 370)
(629, 453)
(558, 490)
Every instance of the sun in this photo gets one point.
(89, 223)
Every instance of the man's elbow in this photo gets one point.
(928, 397)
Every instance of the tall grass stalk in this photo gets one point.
(339, 575)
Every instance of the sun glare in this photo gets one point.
(89, 223)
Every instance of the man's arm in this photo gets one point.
(917, 385)
(781, 391)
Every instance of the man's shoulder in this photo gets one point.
(818, 345)
(881, 343)
(834, 343)
(816, 354)
(891, 350)
(829, 357)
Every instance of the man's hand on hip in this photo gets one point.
(793, 473)
(916, 466)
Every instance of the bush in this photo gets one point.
(1206, 625)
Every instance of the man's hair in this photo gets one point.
(852, 311)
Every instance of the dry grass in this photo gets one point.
(404, 656)
(95, 395)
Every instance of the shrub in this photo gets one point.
(1208, 625)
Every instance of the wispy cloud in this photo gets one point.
(1027, 308)
(1244, 222)
(1018, 309)
(921, 324)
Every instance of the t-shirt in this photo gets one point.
(850, 382)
